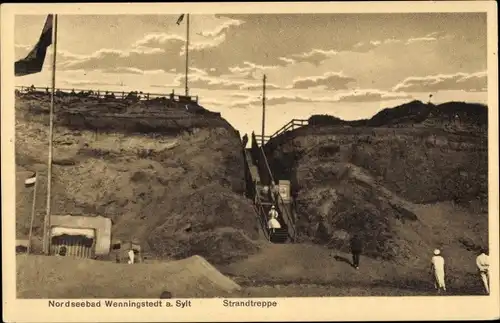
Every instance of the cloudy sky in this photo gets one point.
(347, 65)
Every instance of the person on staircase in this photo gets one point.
(244, 140)
(265, 193)
(275, 192)
(273, 222)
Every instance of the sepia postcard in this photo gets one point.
(213, 162)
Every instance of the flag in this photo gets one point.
(179, 20)
(30, 180)
(33, 63)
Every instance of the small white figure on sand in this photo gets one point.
(131, 257)
(438, 268)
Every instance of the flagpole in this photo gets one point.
(46, 239)
(33, 208)
(263, 107)
(187, 55)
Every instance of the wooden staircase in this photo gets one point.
(257, 174)
(279, 236)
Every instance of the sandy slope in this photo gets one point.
(175, 186)
(374, 177)
(66, 277)
(181, 193)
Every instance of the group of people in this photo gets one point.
(437, 265)
(437, 260)
(482, 264)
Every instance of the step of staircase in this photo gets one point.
(279, 236)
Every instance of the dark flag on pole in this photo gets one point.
(179, 20)
(33, 63)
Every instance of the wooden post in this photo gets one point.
(33, 208)
(187, 54)
(46, 238)
(263, 108)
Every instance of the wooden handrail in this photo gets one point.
(262, 216)
(255, 195)
(291, 124)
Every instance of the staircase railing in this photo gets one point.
(262, 216)
(294, 123)
(262, 140)
(252, 193)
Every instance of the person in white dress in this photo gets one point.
(273, 222)
(483, 265)
(438, 269)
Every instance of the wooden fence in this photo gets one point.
(292, 125)
(105, 94)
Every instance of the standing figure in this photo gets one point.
(131, 256)
(356, 249)
(438, 269)
(244, 140)
(483, 265)
(273, 222)
(275, 191)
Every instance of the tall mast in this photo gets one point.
(46, 240)
(263, 107)
(187, 55)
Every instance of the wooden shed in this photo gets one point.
(80, 236)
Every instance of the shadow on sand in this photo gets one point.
(343, 259)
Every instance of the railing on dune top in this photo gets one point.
(122, 95)
(292, 125)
